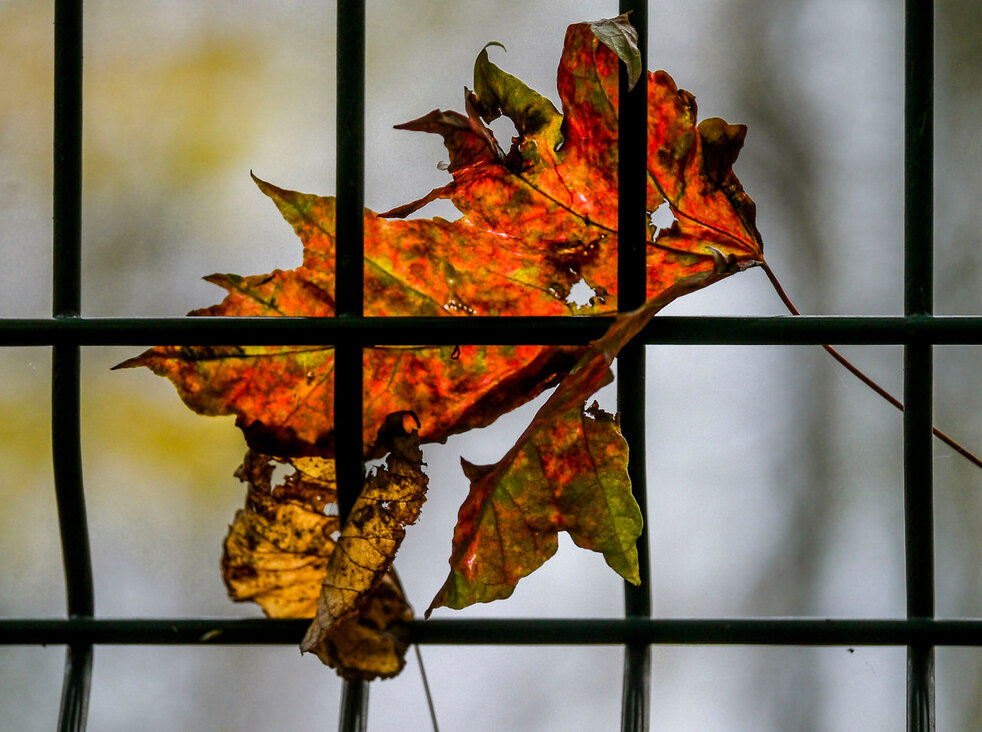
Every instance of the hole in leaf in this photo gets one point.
(372, 466)
(580, 294)
(662, 217)
(503, 130)
(281, 471)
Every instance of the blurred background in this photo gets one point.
(775, 483)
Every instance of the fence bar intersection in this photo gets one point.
(65, 371)
(918, 360)
(349, 291)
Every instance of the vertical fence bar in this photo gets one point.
(918, 363)
(349, 290)
(65, 436)
(65, 383)
(67, 214)
(632, 173)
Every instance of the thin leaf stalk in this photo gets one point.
(855, 371)
(843, 361)
(426, 688)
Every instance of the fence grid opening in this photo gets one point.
(917, 330)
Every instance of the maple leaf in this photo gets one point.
(283, 396)
(535, 221)
(281, 552)
(557, 185)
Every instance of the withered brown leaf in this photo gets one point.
(296, 561)
(390, 500)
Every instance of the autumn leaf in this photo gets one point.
(622, 38)
(282, 396)
(535, 222)
(277, 547)
(373, 643)
(557, 185)
(390, 500)
(283, 552)
(567, 472)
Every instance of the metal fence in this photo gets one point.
(918, 331)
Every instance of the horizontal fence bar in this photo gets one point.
(477, 330)
(512, 631)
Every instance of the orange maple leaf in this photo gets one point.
(535, 221)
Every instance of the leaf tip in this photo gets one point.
(131, 363)
(622, 38)
(268, 188)
(488, 45)
(474, 472)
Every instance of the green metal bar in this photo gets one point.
(918, 360)
(509, 631)
(67, 183)
(349, 290)
(66, 303)
(632, 227)
(67, 461)
(73, 524)
(350, 252)
(779, 330)
(76, 684)
(354, 706)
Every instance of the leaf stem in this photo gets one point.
(426, 687)
(961, 450)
